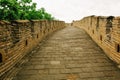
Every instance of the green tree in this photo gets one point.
(45, 15)
(26, 6)
(9, 9)
(22, 9)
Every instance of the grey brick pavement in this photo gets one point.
(69, 54)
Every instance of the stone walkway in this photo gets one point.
(69, 54)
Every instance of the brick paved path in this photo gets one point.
(69, 54)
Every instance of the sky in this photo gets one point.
(69, 10)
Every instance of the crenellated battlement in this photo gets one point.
(17, 38)
(105, 31)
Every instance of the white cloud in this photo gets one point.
(69, 10)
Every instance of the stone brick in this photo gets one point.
(54, 71)
(55, 62)
(39, 67)
(63, 63)
(105, 32)
(19, 38)
(65, 71)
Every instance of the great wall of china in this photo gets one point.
(105, 31)
(17, 38)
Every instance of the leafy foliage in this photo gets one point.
(22, 9)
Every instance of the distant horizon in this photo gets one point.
(68, 10)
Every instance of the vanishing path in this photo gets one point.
(69, 54)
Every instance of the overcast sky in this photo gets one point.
(69, 10)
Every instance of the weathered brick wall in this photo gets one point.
(105, 31)
(20, 37)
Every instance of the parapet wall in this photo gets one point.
(105, 31)
(17, 38)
